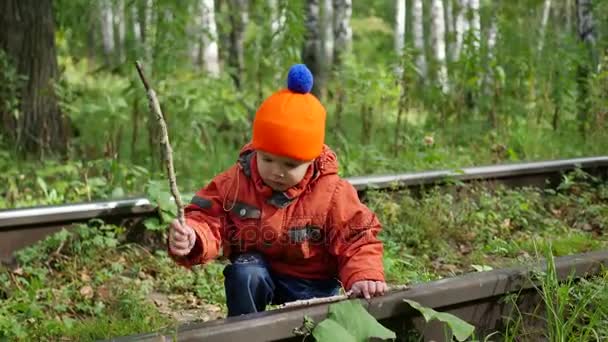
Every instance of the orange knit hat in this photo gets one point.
(291, 122)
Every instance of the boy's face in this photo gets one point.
(280, 173)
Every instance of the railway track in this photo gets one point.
(22, 227)
(475, 297)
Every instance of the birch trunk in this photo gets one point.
(107, 29)
(343, 34)
(311, 53)
(543, 25)
(475, 23)
(418, 31)
(209, 46)
(438, 42)
(449, 27)
(462, 26)
(399, 26)
(238, 19)
(120, 29)
(587, 34)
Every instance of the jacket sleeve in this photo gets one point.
(353, 237)
(206, 216)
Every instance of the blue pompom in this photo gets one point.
(299, 79)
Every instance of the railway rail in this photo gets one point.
(22, 227)
(474, 297)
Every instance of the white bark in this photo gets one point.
(120, 25)
(343, 33)
(475, 24)
(399, 26)
(107, 28)
(418, 31)
(136, 27)
(462, 26)
(210, 54)
(492, 34)
(449, 26)
(543, 25)
(328, 32)
(438, 42)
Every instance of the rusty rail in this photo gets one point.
(21, 227)
(474, 297)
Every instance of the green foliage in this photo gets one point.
(460, 328)
(349, 321)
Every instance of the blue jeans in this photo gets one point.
(250, 286)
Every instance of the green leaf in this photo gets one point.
(349, 321)
(460, 328)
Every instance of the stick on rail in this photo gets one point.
(166, 145)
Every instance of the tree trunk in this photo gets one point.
(475, 23)
(399, 26)
(438, 43)
(209, 46)
(107, 30)
(462, 26)
(327, 53)
(343, 33)
(311, 53)
(543, 25)
(418, 30)
(28, 39)
(587, 34)
(238, 22)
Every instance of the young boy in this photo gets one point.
(291, 227)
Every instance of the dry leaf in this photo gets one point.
(85, 277)
(86, 291)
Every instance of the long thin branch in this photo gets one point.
(167, 151)
(337, 298)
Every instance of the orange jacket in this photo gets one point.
(316, 229)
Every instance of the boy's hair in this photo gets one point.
(291, 122)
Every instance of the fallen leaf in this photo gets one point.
(84, 276)
(103, 292)
(86, 291)
(18, 271)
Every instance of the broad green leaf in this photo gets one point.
(349, 321)
(460, 328)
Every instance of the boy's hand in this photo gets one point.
(181, 238)
(368, 288)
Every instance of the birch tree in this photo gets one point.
(209, 46)
(312, 51)
(343, 34)
(418, 36)
(438, 42)
(587, 35)
(120, 29)
(328, 32)
(543, 25)
(462, 26)
(475, 22)
(399, 26)
(107, 29)
(449, 27)
(236, 57)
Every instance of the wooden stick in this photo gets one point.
(307, 302)
(167, 151)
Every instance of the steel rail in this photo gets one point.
(474, 297)
(10, 218)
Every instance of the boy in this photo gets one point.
(285, 219)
